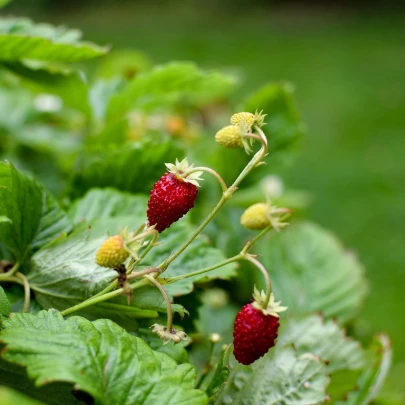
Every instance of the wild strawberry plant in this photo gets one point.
(110, 293)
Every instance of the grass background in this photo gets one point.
(349, 71)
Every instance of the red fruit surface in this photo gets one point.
(169, 200)
(254, 333)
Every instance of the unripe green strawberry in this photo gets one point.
(230, 137)
(246, 117)
(248, 120)
(112, 252)
(256, 217)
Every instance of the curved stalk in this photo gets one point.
(26, 290)
(265, 274)
(10, 273)
(169, 326)
(211, 171)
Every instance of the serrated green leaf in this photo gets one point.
(4, 304)
(169, 84)
(311, 272)
(36, 217)
(280, 377)
(372, 378)
(21, 39)
(100, 358)
(131, 166)
(283, 126)
(9, 396)
(324, 339)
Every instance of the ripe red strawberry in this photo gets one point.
(255, 329)
(173, 195)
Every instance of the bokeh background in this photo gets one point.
(347, 61)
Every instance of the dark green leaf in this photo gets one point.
(20, 39)
(100, 358)
(35, 215)
(280, 377)
(312, 272)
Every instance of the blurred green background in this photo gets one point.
(348, 65)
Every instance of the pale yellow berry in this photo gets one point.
(112, 252)
(243, 117)
(256, 217)
(230, 137)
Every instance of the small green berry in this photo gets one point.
(256, 217)
(230, 137)
(112, 252)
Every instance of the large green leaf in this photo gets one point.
(312, 272)
(283, 126)
(324, 339)
(372, 378)
(21, 39)
(132, 166)
(100, 358)
(65, 272)
(168, 84)
(280, 377)
(35, 215)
